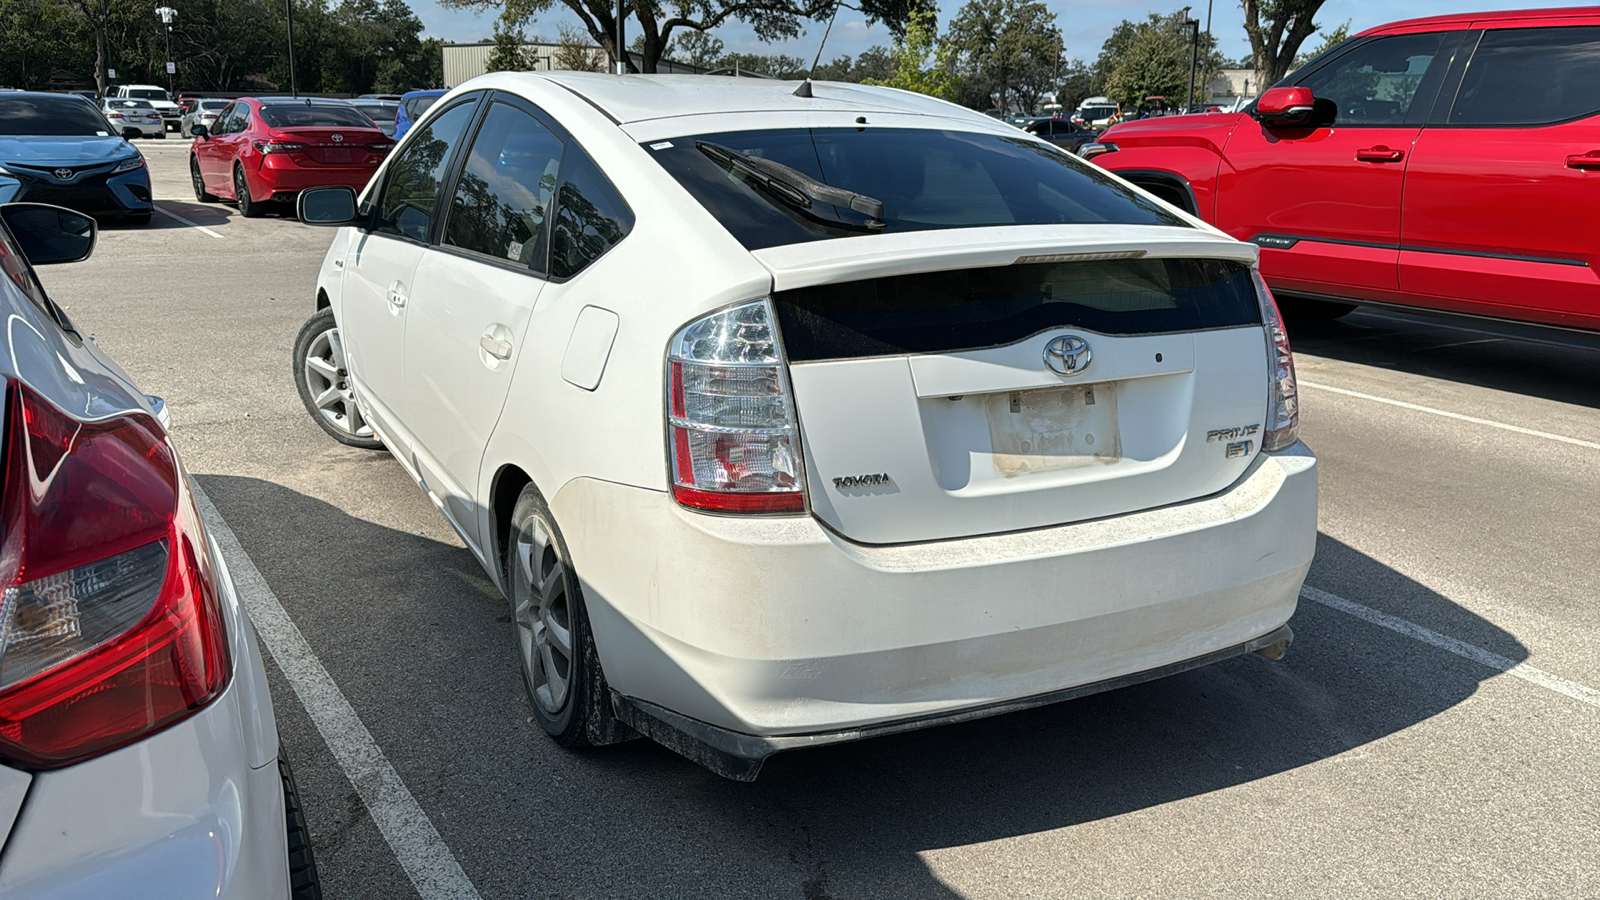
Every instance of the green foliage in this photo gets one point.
(1276, 29)
(1330, 39)
(1151, 59)
(1008, 53)
(696, 48)
(575, 52)
(913, 53)
(510, 53)
(355, 46)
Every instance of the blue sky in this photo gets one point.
(1084, 25)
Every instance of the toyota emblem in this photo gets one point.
(64, 174)
(1067, 355)
(338, 138)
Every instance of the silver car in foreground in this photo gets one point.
(138, 750)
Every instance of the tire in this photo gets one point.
(248, 208)
(323, 380)
(545, 599)
(162, 136)
(304, 883)
(1306, 310)
(200, 192)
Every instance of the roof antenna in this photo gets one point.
(804, 90)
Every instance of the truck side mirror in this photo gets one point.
(1286, 107)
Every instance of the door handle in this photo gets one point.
(495, 347)
(1590, 160)
(1380, 153)
(397, 295)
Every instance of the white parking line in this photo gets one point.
(1576, 442)
(422, 853)
(171, 214)
(1579, 692)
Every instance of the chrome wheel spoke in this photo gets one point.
(322, 367)
(330, 399)
(558, 635)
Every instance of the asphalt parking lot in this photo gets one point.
(1433, 732)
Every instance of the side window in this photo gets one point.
(1375, 83)
(237, 119)
(411, 187)
(505, 188)
(591, 217)
(1530, 76)
(221, 125)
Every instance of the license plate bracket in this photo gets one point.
(1053, 428)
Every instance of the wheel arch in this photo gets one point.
(1174, 189)
(505, 486)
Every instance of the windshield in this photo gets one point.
(416, 106)
(149, 93)
(925, 179)
(376, 110)
(1097, 112)
(54, 116)
(303, 116)
(212, 105)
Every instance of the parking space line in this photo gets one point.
(1576, 442)
(1579, 692)
(173, 215)
(422, 853)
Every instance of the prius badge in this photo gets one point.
(1067, 355)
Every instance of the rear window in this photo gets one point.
(926, 179)
(302, 116)
(54, 116)
(129, 104)
(149, 94)
(416, 106)
(967, 309)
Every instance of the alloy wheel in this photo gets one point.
(328, 379)
(542, 610)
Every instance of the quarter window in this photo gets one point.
(591, 217)
(1375, 83)
(499, 205)
(406, 207)
(1531, 76)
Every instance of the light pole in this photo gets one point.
(294, 90)
(1194, 54)
(167, 14)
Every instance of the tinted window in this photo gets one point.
(314, 116)
(149, 94)
(498, 208)
(375, 110)
(1375, 83)
(416, 106)
(937, 312)
(60, 116)
(591, 217)
(926, 179)
(232, 120)
(212, 105)
(411, 187)
(1531, 76)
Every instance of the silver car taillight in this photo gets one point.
(1283, 397)
(730, 419)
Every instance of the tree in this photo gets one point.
(1276, 29)
(1151, 59)
(510, 53)
(777, 65)
(913, 52)
(1329, 41)
(1008, 53)
(1077, 84)
(657, 22)
(696, 48)
(573, 51)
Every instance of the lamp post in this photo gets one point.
(294, 90)
(167, 14)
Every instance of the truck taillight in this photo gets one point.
(1283, 397)
(110, 625)
(730, 415)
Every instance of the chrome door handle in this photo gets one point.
(495, 347)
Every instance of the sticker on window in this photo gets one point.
(661, 145)
(514, 252)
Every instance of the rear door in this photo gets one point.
(472, 297)
(378, 269)
(1324, 202)
(1503, 190)
(1014, 386)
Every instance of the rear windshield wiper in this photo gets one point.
(794, 187)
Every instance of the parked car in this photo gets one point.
(381, 112)
(1097, 113)
(262, 151)
(201, 112)
(412, 105)
(139, 755)
(1449, 163)
(57, 148)
(915, 423)
(134, 118)
(158, 97)
(1064, 133)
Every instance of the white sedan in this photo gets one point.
(794, 414)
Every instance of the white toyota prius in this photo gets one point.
(794, 414)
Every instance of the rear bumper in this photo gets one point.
(778, 628)
(284, 177)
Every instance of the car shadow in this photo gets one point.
(420, 642)
(1552, 365)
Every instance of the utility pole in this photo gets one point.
(167, 14)
(622, 47)
(1194, 58)
(294, 89)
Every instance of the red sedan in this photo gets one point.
(263, 151)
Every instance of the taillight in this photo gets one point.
(1283, 398)
(730, 420)
(381, 147)
(110, 627)
(276, 146)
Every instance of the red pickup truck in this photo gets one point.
(1449, 163)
